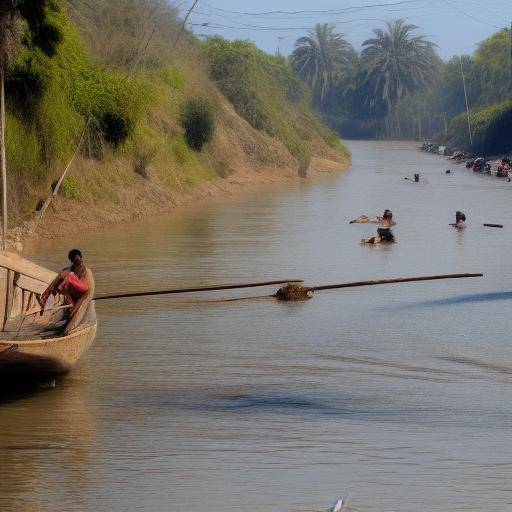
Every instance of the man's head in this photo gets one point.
(75, 256)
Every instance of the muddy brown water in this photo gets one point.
(397, 396)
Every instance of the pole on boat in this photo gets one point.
(395, 280)
(197, 289)
(296, 292)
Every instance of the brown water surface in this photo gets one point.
(397, 396)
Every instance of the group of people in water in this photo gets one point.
(386, 222)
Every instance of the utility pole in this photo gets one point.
(466, 98)
(278, 50)
(183, 26)
(2, 150)
(510, 82)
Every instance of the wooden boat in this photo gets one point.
(30, 343)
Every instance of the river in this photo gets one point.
(397, 396)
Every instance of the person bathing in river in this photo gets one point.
(76, 284)
(460, 220)
(384, 233)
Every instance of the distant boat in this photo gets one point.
(30, 343)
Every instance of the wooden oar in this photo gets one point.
(395, 280)
(198, 289)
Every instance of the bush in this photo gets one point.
(490, 128)
(69, 188)
(198, 122)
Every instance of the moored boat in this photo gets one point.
(31, 343)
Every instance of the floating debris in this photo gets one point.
(294, 292)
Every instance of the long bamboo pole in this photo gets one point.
(2, 152)
(198, 289)
(388, 281)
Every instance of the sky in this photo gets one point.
(456, 26)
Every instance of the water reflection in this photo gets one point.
(48, 434)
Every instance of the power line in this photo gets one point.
(328, 11)
(474, 18)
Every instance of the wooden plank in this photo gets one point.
(16, 263)
(30, 284)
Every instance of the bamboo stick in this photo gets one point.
(198, 289)
(494, 225)
(395, 280)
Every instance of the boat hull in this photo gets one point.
(49, 356)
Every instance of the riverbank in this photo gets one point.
(146, 198)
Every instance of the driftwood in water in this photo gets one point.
(302, 292)
(494, 225)
(199, 289)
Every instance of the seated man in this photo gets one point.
(76, 285)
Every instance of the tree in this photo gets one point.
(321, 58)
(37, 21)
(397, 63)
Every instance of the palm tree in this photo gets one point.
(43, 33)
(320, 58)
(396, 63)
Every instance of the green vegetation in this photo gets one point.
(490, 130)
(357, 94)
(265, 92)
(104, 72)
(198, 122)
(399, 88)
(321, 59)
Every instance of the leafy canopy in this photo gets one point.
(397, 62)
(321, 58)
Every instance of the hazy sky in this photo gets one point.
(455, 25)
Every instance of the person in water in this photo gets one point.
(384, 233)
(460, 220)
(76, 284)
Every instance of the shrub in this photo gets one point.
(173, 77)
(180, 150)
(143, 155)
(198, 122)
(222, 168)
(490, 130)
(69, 188)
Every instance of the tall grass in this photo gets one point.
(490, 130)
